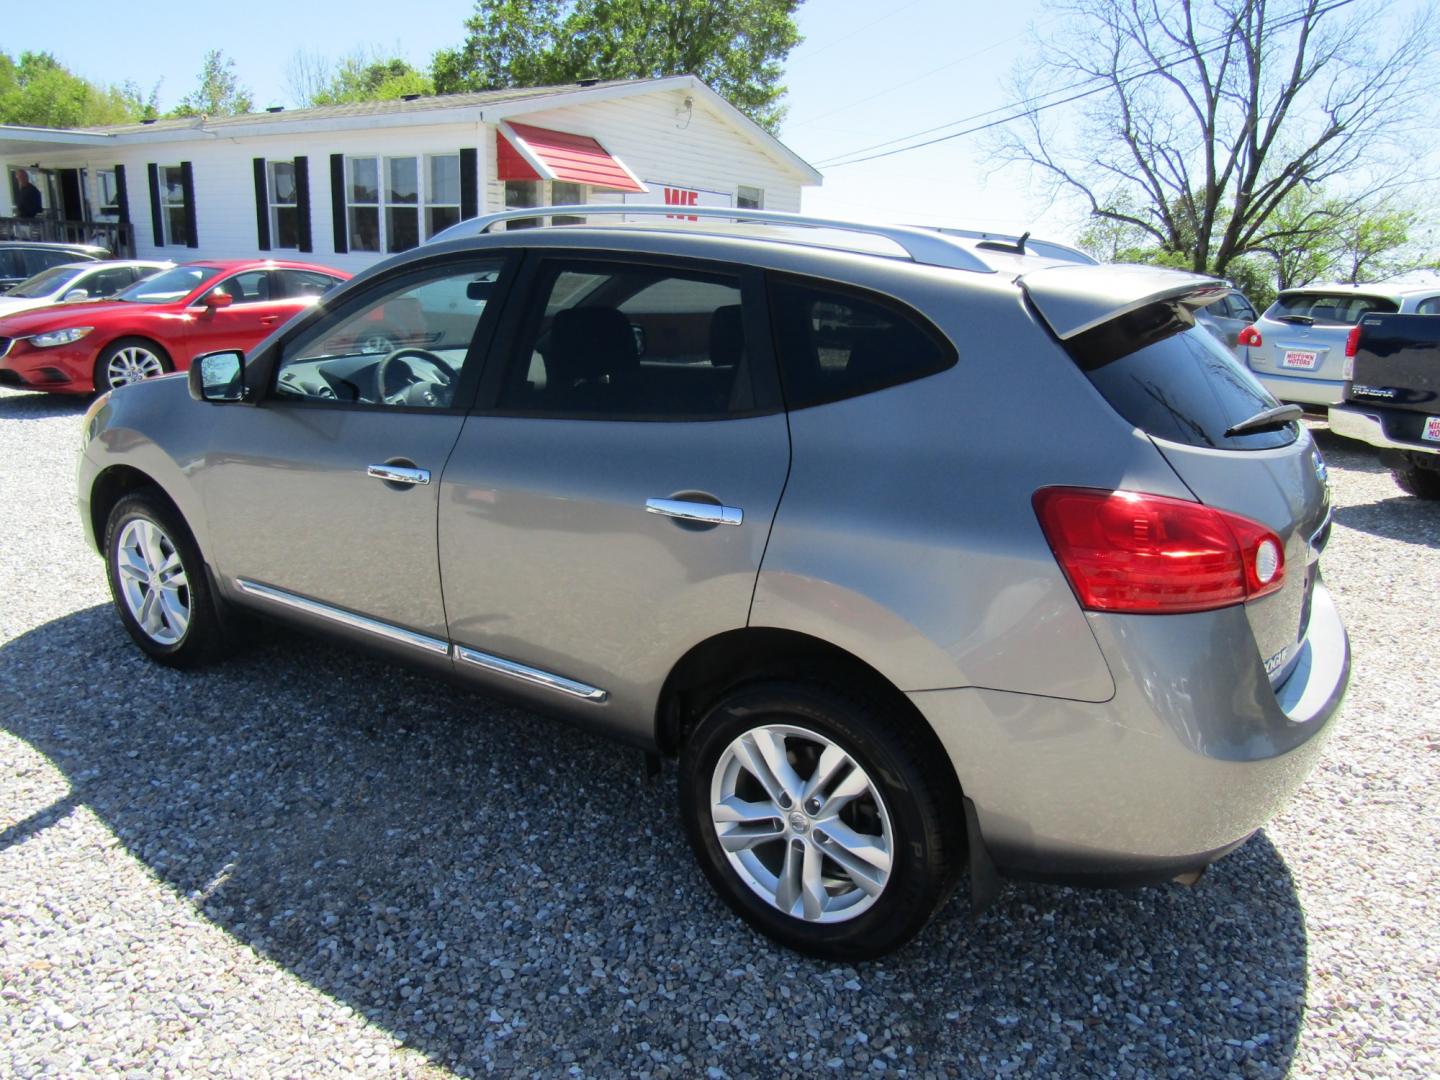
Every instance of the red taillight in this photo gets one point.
(1124, 551)
(1352, 341)
(1249, 336)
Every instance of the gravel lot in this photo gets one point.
(303, 862)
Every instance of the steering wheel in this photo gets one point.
(422, 389)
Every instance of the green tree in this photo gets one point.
(363, 75)
(39, 91)
(219, 92)
(737, 46)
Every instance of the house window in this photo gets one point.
(284, 206)
(382, 202)
(172, 205)
(442, 192)
(109, 192)
(522, 193)
(750, 198)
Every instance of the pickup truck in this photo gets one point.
(1392, 396)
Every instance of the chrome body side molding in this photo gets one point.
(344, 618)
(531, 675)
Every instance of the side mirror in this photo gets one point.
(217, 377)
(74, 296)
(217, 299)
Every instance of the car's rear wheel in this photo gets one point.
(1417, 480)
(129, 360)
(158, 583)
(819, 819)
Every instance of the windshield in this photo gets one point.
(44, 283)
(1337, 309)
(169, 286)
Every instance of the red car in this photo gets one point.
(157, 325)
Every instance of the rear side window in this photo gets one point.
(1336, 309)
(837, 343)
(1174, 381)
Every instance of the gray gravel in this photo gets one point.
(302, 862)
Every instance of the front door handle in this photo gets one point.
(398, 474)
(703, 513)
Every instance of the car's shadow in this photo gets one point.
(23, 405)
(504, 891)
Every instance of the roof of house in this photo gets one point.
(412, 104)
(491, 106)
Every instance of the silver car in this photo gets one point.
(1298, 348)
(926, 556)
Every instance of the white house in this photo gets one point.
(344, 185)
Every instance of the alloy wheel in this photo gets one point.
(153, 582)
(131, 364)
(802, 823)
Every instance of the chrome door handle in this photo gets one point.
(398, 474)
(704, 513)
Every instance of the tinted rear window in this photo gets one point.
(1175, 382)
(1336, 309)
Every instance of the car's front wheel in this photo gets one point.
(820, 820)
(158, 583)
(129, 360)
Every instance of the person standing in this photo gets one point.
(27, 198)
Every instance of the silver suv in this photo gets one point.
(927, 555)
(1302, 348)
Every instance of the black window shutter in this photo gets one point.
(122, 195)
(262, 206)
(337, 201)
(469, 184)
(187, 185)
(154, 171)
(302, 201)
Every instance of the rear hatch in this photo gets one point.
(1397, 363)
(1175, 382)
(1303, 333)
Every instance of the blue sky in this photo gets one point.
(867, 72)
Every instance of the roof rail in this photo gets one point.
(929, 247)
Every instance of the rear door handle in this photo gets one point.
(704, 513)
(398, 474)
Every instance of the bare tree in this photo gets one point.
(1193, 121)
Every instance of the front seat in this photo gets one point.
(591, 363)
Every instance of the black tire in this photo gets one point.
(919, 794)
(103, 380)
(1417, 480)
(201, 637)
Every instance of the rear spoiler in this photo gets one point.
(1076, 298)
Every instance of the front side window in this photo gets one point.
(620, 341)
(1429, 306)
(248, 287)
(405, 345)
(284, 206)
(172, 205)
(837, 344)
(44, 283)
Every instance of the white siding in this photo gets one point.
(651, 133)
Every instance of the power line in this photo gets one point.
(1103, 82)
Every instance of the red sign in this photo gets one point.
(681, 197)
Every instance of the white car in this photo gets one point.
(73, 282)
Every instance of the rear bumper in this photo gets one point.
(1301, 389)
(1367, 426)
(1193, 754)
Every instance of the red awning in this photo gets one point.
(523, 152)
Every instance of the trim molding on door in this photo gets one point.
(531, 675)
(497, 664)
(344, 618)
